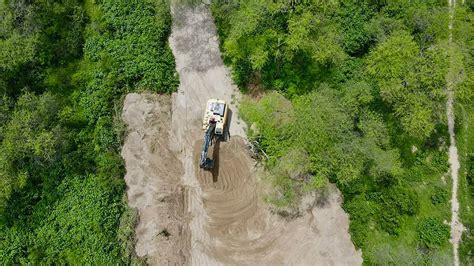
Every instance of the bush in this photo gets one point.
(361, 211)
(470, 172)
(354, 15)
(241, 73)
(432, 233)
(133, 50)
(81, 226)
(390, 221)
(403, 199)
(359, 233)
(395, 203)
(126, 232)
(440, 195)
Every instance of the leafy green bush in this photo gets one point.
(126, 232)
(470, 172)
(439, 196)
(402, 199)
(359, 233)
(390, 221)
(395, 203)
(79, 226)
(132, 49)
(32, 141)
(362, 212)
(354, 17)
(432, 233)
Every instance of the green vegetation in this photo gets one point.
(64, 67)
(432, 233)
(357, 98)
(355, 95)
(464, 36)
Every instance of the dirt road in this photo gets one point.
(224, 220)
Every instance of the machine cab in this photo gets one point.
(216, 112)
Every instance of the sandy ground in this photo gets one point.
(222, 218)
(153, 181)
(456, 225)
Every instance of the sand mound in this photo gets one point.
(153, 183)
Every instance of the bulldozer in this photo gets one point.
(214, 125)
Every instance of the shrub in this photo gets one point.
(470, 172)
(390, 221)
(395, 202)
(361, 211)
(432, 233)
(402, 199)
(440, 195)
(133, 50)
(359, 233)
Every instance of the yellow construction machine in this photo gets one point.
(214, 126)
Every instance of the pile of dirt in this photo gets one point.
(153, 180)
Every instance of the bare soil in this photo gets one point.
(153, 181)
(214, 217)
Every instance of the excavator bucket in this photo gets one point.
(208, 164)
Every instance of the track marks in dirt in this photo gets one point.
(242, 229)
(229, 191)
(231, 202)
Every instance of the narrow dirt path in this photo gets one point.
(229, 223)
(456, 226)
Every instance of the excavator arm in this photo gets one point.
(205, 162)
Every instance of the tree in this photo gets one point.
(16, 51)
(280, 45)
(409, 83)
(354, 17)
(31, 141)
(61, 83)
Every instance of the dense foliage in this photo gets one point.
(64, 67)
(359, 96)
(432, 233)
